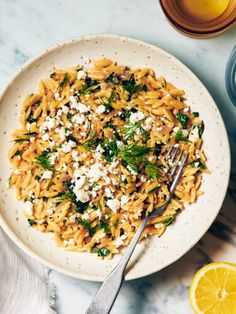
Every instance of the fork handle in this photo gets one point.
(107, 294)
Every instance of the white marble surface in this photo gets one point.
(28, 26)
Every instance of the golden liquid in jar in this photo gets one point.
(202, 10)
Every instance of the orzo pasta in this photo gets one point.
(89, 159)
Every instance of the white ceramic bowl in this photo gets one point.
(154, 253)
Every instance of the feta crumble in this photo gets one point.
(136, 117)
(124, 200)
(114, 204)
(81, 75)
(28, 208)
(100, 109)
(47, 175)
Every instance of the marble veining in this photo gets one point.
(27, 27)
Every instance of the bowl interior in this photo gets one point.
(152, 254)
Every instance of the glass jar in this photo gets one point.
(200, 18)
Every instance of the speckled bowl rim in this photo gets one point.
(149, 271)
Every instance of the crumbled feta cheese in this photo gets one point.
(80, 182)
(186, 109)
(124, 236)
(159, 128)
(62, 133)
(94, 194)
(65, 109)
(119, 242)
(82, 108)
(53, 158)
(194, 135)
(97, 188)
(114, 204)
(78, 118)
(67, 146)
(108, 192)
(136, 116)
(102, 235)
(148, 124)
(59, 113)
(85, 216)
(50, 211)
(136, 216)
(196, 164)
(131, 171)
(51, 142)
(100, 149)
(72, 218)
(184, 133)
(176, 129)
(45, 137)
(95, 172)
(47, 175)
(114, 181)
(100, 109)
(99, 213)
(158, 225)
(84, 155)
(123, 177)
(75, 165)
(29, 208)
(78, 105)
(68, 124)
(81, 195)
(81, 75)
(49, 123)
(124, 200)
(57, 95)
(64, 167)
(143, 178)
(75, 155)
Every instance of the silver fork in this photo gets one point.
(108, 292)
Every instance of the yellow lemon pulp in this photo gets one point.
(213, 289)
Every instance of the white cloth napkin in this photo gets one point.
(25, 286)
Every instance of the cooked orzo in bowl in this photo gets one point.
(89, 160)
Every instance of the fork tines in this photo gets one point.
(173, 158)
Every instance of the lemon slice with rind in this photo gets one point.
(213, 289)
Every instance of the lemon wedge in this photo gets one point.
(213, 289)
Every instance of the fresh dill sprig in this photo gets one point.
(182, 118)
(89, 86)
(132, 87)
(70, 195)
(104, 225)
(65, 80)
(152, 170)
(86, 225)
(107, 101)
(179, 136)
(130, 129)
(88, 144)
(20, 140)
(44, 160)
(134, 150)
